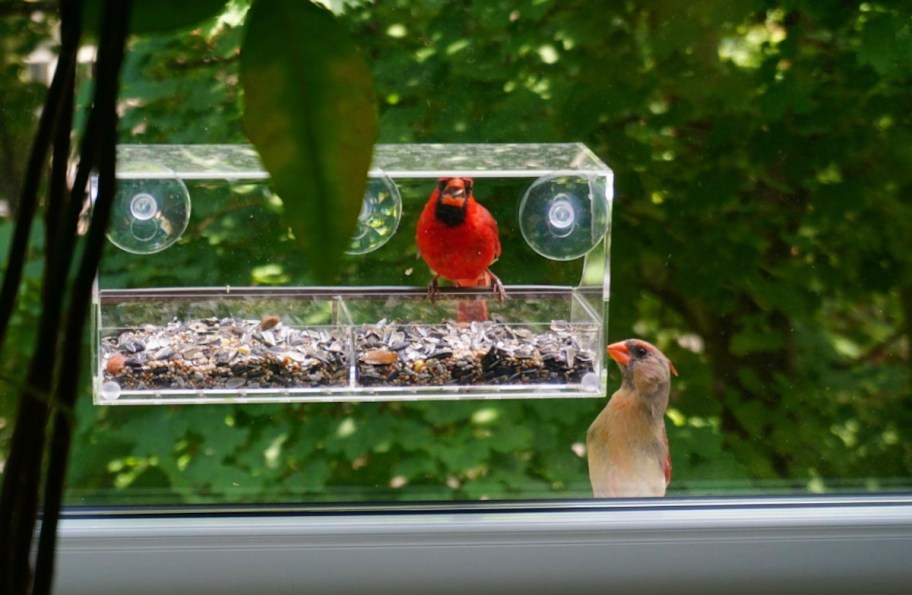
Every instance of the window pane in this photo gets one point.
(758, 238)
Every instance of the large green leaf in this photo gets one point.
(310, 114)
(156, 16)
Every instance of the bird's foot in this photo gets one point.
(497, 287)
(433, 290)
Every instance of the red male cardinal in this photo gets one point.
(458, 239)
(626, 444)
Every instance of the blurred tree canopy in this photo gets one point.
(21, 35)
(760, 238)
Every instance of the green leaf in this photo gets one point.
(756, 341)
(512, 438)
(463, 454)
(415, 467)
(310, 114)
(886, 44)
(311, 477)
(155, 16)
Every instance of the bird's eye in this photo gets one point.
(468, 184)
(640, 351)
(441, 184)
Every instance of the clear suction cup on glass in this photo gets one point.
(379, 218)
(563, 217)
(149, 213)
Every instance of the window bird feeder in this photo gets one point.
(220, 319)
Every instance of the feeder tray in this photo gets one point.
(227, 344)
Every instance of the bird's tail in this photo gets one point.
(473, 309)
(477, 309)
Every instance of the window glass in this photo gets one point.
(758, 238)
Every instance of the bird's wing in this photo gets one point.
(667, 464)
(598, 458)
(487, 221)
(599, 464)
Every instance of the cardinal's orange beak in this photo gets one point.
(619, 353)
(454, 193)
(453, 200)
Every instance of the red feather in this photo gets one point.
(460, 252)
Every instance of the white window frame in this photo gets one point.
(852, 544)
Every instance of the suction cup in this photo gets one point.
(563, 217)
(149, 213)
(379, 218)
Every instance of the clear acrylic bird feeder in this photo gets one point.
(213, 305)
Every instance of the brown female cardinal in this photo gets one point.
(458, 239)
(626, 445)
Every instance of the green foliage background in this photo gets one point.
(760, 238)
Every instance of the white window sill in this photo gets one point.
(737, 545)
